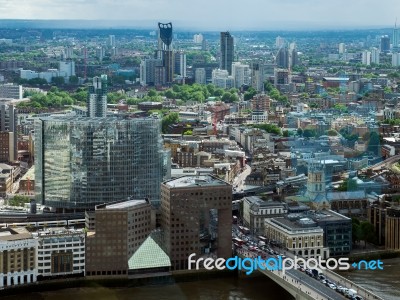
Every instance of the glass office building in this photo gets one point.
(81, 162)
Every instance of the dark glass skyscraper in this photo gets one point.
(227, 52)
(385, 44)
(165, 51)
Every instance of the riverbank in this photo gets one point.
(80, 282)
(374, 255)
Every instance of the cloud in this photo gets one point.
(212, 14)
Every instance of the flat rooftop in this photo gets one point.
(195, 181)
(125, 204)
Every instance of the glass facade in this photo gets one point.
(82, 162)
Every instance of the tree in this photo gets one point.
(367, 233)
(285, 133)
(356, 230)
(299, 131)
(152, 93)
(308, 132)
(348, 185)
(251, 92)
(59, 80)
(169, 119)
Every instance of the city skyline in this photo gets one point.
(285, 15)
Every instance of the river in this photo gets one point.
(383, 283)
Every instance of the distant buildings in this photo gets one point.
(227, 51)
(366, 57)
(11, 91)
(196, 213)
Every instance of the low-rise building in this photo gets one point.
(60, 252)
(255, 211)
(17, 257)
(302, 237)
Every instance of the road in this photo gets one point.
(239, 180)
(295, 277)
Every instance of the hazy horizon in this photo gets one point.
(211, 15)
(178, 25)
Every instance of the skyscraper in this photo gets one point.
(375, 55)
(81, 162)
(282, 58)
(227, 51)
(8, 124)
(97, 97)
(164, 51)
(396, 37)
(385, 44)
(366, 57)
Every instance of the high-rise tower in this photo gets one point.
(227, 51)
(165, 51)
(396, 36)
(97, 97)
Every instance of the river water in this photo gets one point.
(383, 283)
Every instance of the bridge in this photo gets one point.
(303, 287)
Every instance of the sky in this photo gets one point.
(215, 14)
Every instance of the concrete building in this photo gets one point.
(120, 229)
(17, 257)
(60, 252)
(366, 57)
(241, 74)
(342, 48)
(148, 71)
(255, 211)
(196, 213)
(97, 97)
(66, 69)
(222, 79)
(395, 59)
(7, 177)
(302, 237)
(375, 56)
(392, 228)
(11, 91)
(7, 153)
(200, 76)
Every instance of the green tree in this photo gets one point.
(308, 132)
(169, 119)
(367, 233)
(348, 185)
(59, 80)
(299, 131)
(251, 92)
